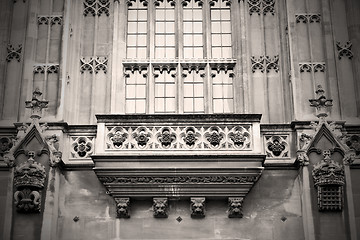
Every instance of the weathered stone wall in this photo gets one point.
(271, 211)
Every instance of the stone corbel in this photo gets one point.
(197, 207)
(235, 207)
(160, 207)
(123, 207)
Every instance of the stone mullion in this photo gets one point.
(245, 55)
(151, 50)
(208, 54)
(266, 105)
(45, 83)
(115, 58)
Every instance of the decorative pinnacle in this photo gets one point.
(321, 104)
(36, 104)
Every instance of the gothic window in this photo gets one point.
(137, 30)
(135, 89)
(171, 37)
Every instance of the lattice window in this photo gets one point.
(135, 89)
(330, 197)
(193, 30)
(165, 30)
(222, 91)
(165, 89)
(220, 30)
(137, 30)
(194, 91)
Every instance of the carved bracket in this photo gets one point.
(235, 207)
(13, 53)
(160, 207)
(307, 18)
(52, 19)
(261, 6)
(197, 207)
(96, 7)
(265, 63)
(93, 64)
(123, 207)
(312, 67)
(344, 50)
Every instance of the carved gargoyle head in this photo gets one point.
(122, 207)
(197, 207)
(235, 207)
(160, 207)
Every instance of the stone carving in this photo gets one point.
(49, 68)
(184, 3)
(141, 136)
(261, 6)
(329, 180)
(353, 142)
(304, 140)
(116, 137)
(55, 154)
(235, 207)
(215, 137)
(277, 146)
(130, 2)
(307, 18)
(227, 2)
(5, 145)
(197, 207)
(166, 137)
(36, 104)
(312, 67)
(302, 158)
(321, 103)
(29, 178)
(344, 50)
(265, 63)
(82, 147)
(52, 19)
(179, 137)
(13, 53)
(96, 7)
(349, 157)
(160, 68)
(160, 207)
(93, 64)
(142, 69)
(179, 179)
(123, 207)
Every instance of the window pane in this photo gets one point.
(225, 27)
(198, 40)
(198, 90)
(160, 40)
(159, 53)
(132, 15)
(225, 14)
(198, 52)
(188, 53)
(199, 105)
(140, 91)
(187, 27)
(170, 52)
(188, 90)
(131, 40)
(170, 105)
(218, 105)
(227, 53)
(216, 52)
(170, 40)
(131, 52)
(141, 40)
(170, 14)
(159, 90)
(217, 91)
(197, 14)
(142, 27)
(140, 106)
(160, 27)
(132, 27)
(216, 39)
(159, 105)
(170, 90)
(228, 91)
(226, 39)
(130, 91)
(188, 40)
(130, 106)
(215, 14)
(160, 14)
(141, 52)
(170, 27)
(187, 14)
(228, 105)
(142, 15)
(188, 105)
(197, 27)
(215, 27)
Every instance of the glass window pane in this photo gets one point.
(170, 27)
(188, 40)
(225, 14)
(198, 90)
(228, 105)
(170, 90)
(141, 40)
(142, 15)
(198, 40)
(141, 52)
(227, 53)
(170, 14)
(141, 79)
(216, 39)
(225, 27)
(216, 79)
(130, 91)
(159, 52)
(215, 14)
(187, 14)
(226, 39)
(228, 91)
(140, 91)
(142, 27)
(187, 27)
(198, 52)
(197, 27)
(215, 27)
(159, 105)
(159, 90)
(131, 52)
(188, 90)
(216, 52)
(140, 106)
(218, 105)
(160, 27)
(160, 14)
(130, 106)
(132, 15)
(131, 40)
(132, 27)
(197, 14)
(217, 91)
(199, 105)
(170, 105)
(188, 105)
(188, 52)
(170, 52)
(159, 40)
(170, 40)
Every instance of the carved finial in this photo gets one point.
(321, 103)
(36, 104)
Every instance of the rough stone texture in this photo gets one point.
(273, 206)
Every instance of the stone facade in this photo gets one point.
(179, 119)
